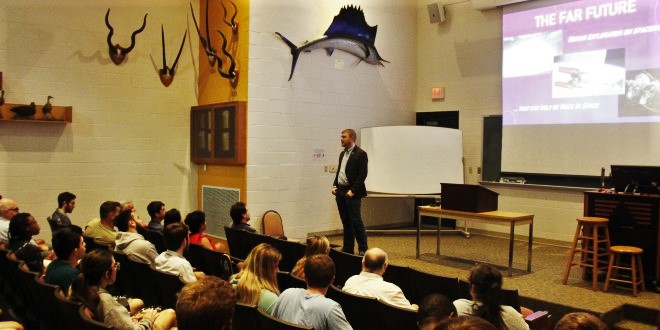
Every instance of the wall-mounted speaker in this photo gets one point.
(436, 12)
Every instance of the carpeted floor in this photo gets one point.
(459, 254)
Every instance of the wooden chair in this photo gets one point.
(426, 284)
(361, 312)
(271, 224)
(245, 317)
(286, 280)
(266, 321)
(88, 323)
(69, 310)
(395, 318)
(346, 265)
(156, 238)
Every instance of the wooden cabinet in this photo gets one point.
(217, 133)
(633, 221)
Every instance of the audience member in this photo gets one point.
(240, 216)
(98, 270)
(171, 216)
(156, 211)
(103, 229)
(196, 221)
(69, 247)
(66, 202)
(21, 229)
(256, 283)
(580, 321)
(370, 283)
(131, 243)
(8, 209)
(466, 322)
(486, 290)
(130, 205)
(207, 304)
(315, 245)
(172, 261)
(434, 309)
(309, 307)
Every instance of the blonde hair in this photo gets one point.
(315, 245)
(259, 272)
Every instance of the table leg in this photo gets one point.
(419, 227)
(529, 247)
(511, 249)
(437, 240)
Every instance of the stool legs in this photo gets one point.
(635, 269)
(590, 240)
(571, 254)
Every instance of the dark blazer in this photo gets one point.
(356, 171)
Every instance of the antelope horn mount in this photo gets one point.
(231, 73)
(208, 49)
(167, 74)
(117, 52)
(232, 23)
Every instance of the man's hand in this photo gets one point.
(334, 190)
(349, 194)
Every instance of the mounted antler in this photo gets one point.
(118, 53)
(167, 74)
(233, 24)
(210, 52)
(231, 73)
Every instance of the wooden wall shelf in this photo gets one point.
(61, 114)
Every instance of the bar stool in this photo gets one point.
(635, 264)
(590, 241)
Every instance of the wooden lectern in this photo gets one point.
(468, 198)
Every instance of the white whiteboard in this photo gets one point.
(412, 159)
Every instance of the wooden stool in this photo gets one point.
(590, 251)
(635, 265)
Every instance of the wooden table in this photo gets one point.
(512, 219)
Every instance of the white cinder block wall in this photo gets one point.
(464, 55)
(289, 121)
(130, 135)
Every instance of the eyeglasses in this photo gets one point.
(14, 209)
(117, 266)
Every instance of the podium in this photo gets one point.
(468, 198)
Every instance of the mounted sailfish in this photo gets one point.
(349, 32)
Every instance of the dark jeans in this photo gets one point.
(349, 212)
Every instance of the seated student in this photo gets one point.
(21, 229)
(103, 229)
(580, 321)
(206, 304)
(172, 260)
(315, 245)
(171, 216)
(69, 247)
(485, 288)
(98, 270)
(434, 309)
(370, 283)
(131, 243)
(240, 217)
(156, 210)
(256, 284)
(196, 221)
(66, 202)
(309, 307)
(466, 322)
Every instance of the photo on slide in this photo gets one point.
(530, 54)
(642, 97)
(590, 73)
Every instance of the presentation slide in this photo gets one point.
(587, 70)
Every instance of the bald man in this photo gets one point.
(370, 283)
(8, 209)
